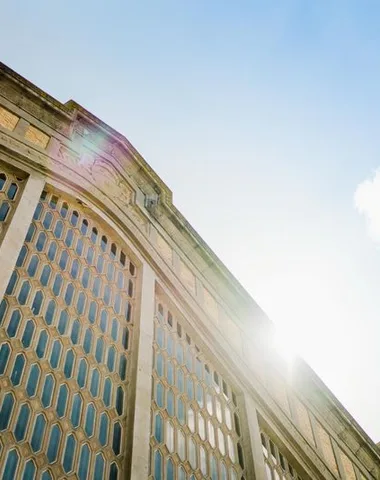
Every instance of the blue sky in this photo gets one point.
(263, 119)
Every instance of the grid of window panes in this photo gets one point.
(10, 191)
(65, 335)
(276, 465)
(196, 428)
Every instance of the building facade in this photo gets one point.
(127, 349)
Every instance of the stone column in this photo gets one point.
(141, 429)
(254, 437)
(18, 228)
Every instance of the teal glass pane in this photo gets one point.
(113, 472)
(170, 405)
(116, 441)
(45, 275)
(111, 359)
(58, 229)
(47, 391)
(160, 395)
(81, 303)
(107, 392)
(37, 303)
(119, 400)
(6, 411)
(181, 412)
(21, 256)
(69, 364)
(157, 466)
(75, 332)
(62, 322)
(46, 476)
(18, 369)
(87, 341)
(55, 354)
(33, 265)
(160, 337)
(69, 454)
(123, 367)
(159, 428)
(82, 373)
(181, 474)
(38, 433)
(103, 429)
(94, 388)
(103, 320)
(99, 467)
(29, 235)
(12, 283)
(13, 323)
(114, 329)
(3, 309)
(180, 380)
(125, 338)
(29, 471)
(170, 374)
(159, 364)
(22, 422)
(128, 310)
(76, 410)
(41, 346)
(90, 420)
(49, 315)
(41, 240)
(4, 355)
(92, 312)
(179, 355)
(200, 398)
(214, 468)
(11, 465)
(190, 388)
(62, 401)
(84, 463)
(169, 470)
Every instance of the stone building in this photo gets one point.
(127, 349)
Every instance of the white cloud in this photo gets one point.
(367, 202)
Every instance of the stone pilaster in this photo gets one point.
(142, 415)
(18, 228)
(254, 438)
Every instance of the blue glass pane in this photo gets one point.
(62, 322)
(90, 420)
(28, 333)
(157, 466)
(125, 339)
(18, 368)
(69, 294)
(55, 354)
(103, 430)
(61, 401)
(69, 364)
(38, 433)
(74, 269)
(169, 470)
(107, 392)
(181, 412)
(94, 388)
(69, 238)
(64, 210)
(54, 442)
(45, 275)
(33, 265)
(114, 329)
(107, 295)
(86, 277)
(214, 468)
(159, 429)
(63, 260)
(128, 310)
(113, 472)
(75, 332)
(11, 284)
(76, 410)
(4, 209)
(179, 353)
(22, 422)
(180, 381)
(29, 235)
(52, 251)
(81, 303)
(123, 367)
(79, 247)
(119, 400)
(170, 374)
(99, 350)
(11, 466)
(90, 255)
(170, 406)
(117, 303)
(190, 388)
(110, 271)
(92, 312)
(170, 346)
(47, 391)
(99, 468)
(74, 218)
(57, 284)
(69, 453)
(41, 240)
(160, 365)
(116, 438)
(14, 323)
(84, 227)
(37, 303)
(32, 384)
(3, 309)
(4, 355)
(103, 321)
(87, 341)
(49, 315)
(21, 256)
(24, 292)
(82, 373)
(12, 190)
(160, 395)
(83, 463)
(41, 346)
(94, 235)
(100, 264)
(29, 470)
(96, 287)
(58, 229)
(200, 396)
(6, 411)
(111, 359)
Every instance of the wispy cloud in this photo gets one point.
(367, 202)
